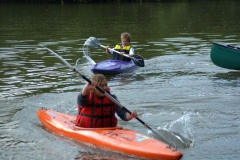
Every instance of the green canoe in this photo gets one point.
(225, 56)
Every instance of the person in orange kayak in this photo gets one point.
(124, 48)
(95, 110)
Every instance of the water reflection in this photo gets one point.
(232, 75)
(26, 70)
(174, 39)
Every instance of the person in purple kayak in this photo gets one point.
(95, 110)
(124, 48)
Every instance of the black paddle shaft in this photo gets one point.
(138, 119)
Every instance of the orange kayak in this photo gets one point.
(114, 139)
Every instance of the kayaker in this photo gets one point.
(124, 48)
(95, 110)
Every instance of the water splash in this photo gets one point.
(86, 54)
(179, 132)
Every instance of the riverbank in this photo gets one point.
(84, 1)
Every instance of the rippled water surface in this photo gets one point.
(179, 87)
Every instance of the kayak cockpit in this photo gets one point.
(106, 128)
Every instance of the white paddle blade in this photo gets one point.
(92, 41)
(167, 137)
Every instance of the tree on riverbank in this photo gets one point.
(81, 1)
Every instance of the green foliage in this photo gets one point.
(78, 1)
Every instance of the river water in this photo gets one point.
(179, 87)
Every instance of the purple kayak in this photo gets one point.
(113, 67)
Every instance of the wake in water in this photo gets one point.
(178, 132)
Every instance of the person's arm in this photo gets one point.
(124, 115)
(131, 116)
(86, 89)
(82, 100)
(131, 52)
(83, 95)
(108, 51)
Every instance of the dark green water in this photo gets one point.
(179, 82)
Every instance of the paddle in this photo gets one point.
(94, 42)
(155, 133)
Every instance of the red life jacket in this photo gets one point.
(97, 113)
